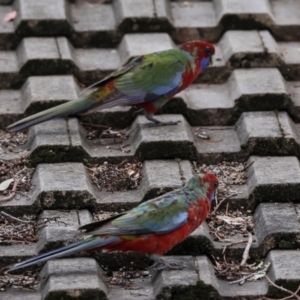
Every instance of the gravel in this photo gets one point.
(18, 170)
(17, 230)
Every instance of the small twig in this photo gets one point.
(261, 272)
(289, 297)
(247, 249)
(232, 244)
(14, 218)
(283, 289)
(226, 212)
(218, 238)
(13, 194)
(48, 220)
(224, 199)
(248, 166)
(241, 280)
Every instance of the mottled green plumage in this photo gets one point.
(157, 215)
(155, 70)
(147, 81)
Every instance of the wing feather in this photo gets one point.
(145, 79)
(161, 215)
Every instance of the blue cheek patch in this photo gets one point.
(204, 63)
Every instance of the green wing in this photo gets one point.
(146, 78)
(160, 215)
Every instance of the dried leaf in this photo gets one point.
(5, 184)
(10, 16)
(130, 172)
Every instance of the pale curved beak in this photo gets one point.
(213, 196)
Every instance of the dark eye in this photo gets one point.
(216, 184)
(207, 50)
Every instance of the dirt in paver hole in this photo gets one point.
(106, 134)
(17, 231)
(9, 141)
(116, 177)
(21, 230)
(112, 138)
(27, 281)
(224, 225)
(17, 174)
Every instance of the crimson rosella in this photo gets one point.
(153, 227)
(147, 82)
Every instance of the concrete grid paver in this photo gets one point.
(248, 103)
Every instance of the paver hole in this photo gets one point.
(116, 177)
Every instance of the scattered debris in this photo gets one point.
(125, 278)
(56, 219)
(116, 177)
(17, 230)
(16, 219)
(9, 141)
(10, 16)
(225, 225)
(250, 272)
(292, 294)
(17, 174)
(106, 134)
(113, 136)
(202, 135)
(27, 281)
(221, 202)
(247, 249)
(14, 230)
(229, 269)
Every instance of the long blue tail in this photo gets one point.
(84, 245)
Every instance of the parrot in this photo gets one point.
(146, 82)
(151, 228)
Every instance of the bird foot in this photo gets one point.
(161, 264)
(159, 124)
